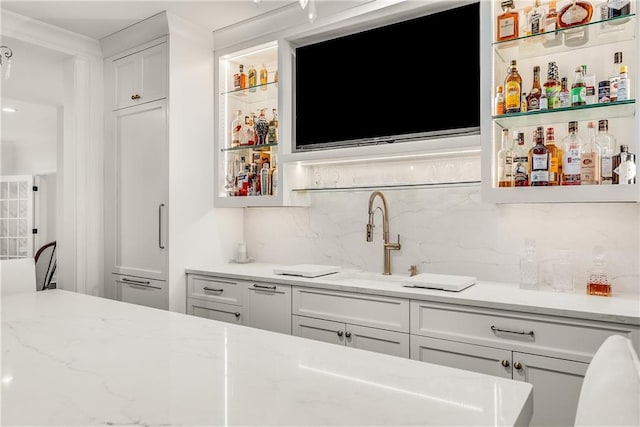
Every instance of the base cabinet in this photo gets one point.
(142, 291)
(268, 306)
(216, 311)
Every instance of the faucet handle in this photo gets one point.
(413, 270)
(369, 232)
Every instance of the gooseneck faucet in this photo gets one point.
(388, 247)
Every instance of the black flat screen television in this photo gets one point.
(409, 80)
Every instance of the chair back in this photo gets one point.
(45, 265)
(610, 393)
(17, 275)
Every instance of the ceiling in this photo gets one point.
(99, 18)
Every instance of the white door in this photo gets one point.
(16, 216)
(318, 329)
(141, 191)
(556, 387)
(378, 340)
(269, 307)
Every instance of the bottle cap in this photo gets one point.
(499, 88)
(617, 57)
(623, 68)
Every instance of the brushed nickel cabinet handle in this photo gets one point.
(160, 243)
(348, 334)
(517, 365)
(134, 97)
(505, 363)
(270, 288)
(208, 289)
(237, 314)
(340, 333)
(509, 331)
(139, 282)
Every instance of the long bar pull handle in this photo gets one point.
(160, 244)
(271, 288)
(206, 288)
(139, 282)
(508, 331)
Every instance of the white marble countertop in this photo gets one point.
(73, 359)
(623, 309)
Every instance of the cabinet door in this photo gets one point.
(216, 311)
(378, 340)
(317, 329)
(269, 307)
(141, 191)
(477, 358)
(147, 292)
(215, 289)
(556, 387)
(141, 77)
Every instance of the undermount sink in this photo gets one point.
(444, 282)
(365, 277)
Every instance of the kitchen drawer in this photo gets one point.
(216, 311)
(215, 289)
(547, 335)
(136, 290)
(359, 309)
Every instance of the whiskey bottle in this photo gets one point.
(507, 22)
(606, 142)
(552, 86)
(539, 160)
(551, 37)
(590, 158)
(614, 77)
(498, 102)
(263, 77)
(520, 162)
(571, 166)
(242, 76)
(598, 283)
(236, 126)
(624, 166)
(533, 99)
(578, 89)
(555, 158)
(236, 81)
(564, 95)
(252, 78)
(505, 161)
(513, 89)
(591, 97)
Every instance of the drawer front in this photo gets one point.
(222, 290)
(216, 311)
(377, 340)
(147, 292)
(269, 307)
(358, 309)
(547, 335)
(318, 330)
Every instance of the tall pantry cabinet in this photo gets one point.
(157, 167)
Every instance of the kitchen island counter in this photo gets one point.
(72, 359)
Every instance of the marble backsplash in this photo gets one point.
(443, 229)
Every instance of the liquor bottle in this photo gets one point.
(520, 162)
(598, 283)
(529, 266)
(273, 173)
(253, 78)
(614, 77)
(507, 22)
(236, 126)
(590, 158)
(498, 102)
(513, 89)
(539, 160)
(243, 77)
(535, 24)
(261, 126)
(247, 133)
(505, 161)
(578, 89)
(618, 8)
(544, 103)
(236, 81)
(624, 85)
(591, 97)
(564, 95)
(272, 135)
(624, 166)
(555, 157)
(533, 99)
(265, 185)
(551, 37)
(573, 17)
(606, 142)
(552, 86)
(523, 103)
(263, 77)
(571, 165)
(241, 178)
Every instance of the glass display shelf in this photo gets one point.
(260, 147)
(613, 30)
(564, 194)
(254, 94)
(583, 113)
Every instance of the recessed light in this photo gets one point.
(9, 109)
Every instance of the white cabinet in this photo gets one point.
(604, 38)
(148, 292)
(140, 191)
(364, 321)
(140, 76)
(268, 306)
(549, 352)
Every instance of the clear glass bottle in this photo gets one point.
(598, 283)
(513, 89)
(507, 23)
(590, 158)
(535, 19)
(272, 135)
(572, 17)
(624, 166)
(562, 272)
(520, 162)
(571, 165)
(591, 94)
(552, 86)
(539, 160)
(565, 95)
(578, 88)
(505, 161)
(614, 76)
(529, 266)
(551, 37)
(236, 127)
(533, 99)
(247, 133)
(265, 183)
(606, 142)
(555, 157)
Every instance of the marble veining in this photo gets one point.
(73, 359)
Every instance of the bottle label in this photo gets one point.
(606, 164)
(578, 95)
(588, 169)
(521, 171)
(626, 172)
(539, 177)
(512, 97)
(623, 89)
(571, 166)
(506, 27)
(539, 162)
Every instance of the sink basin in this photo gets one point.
(444, 282)
(367, 278)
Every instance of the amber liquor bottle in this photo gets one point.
(242, 77)
(539, 160)
(533, 99)
(555, 157)
(507, 22)
(513, 89)
(253, 78)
